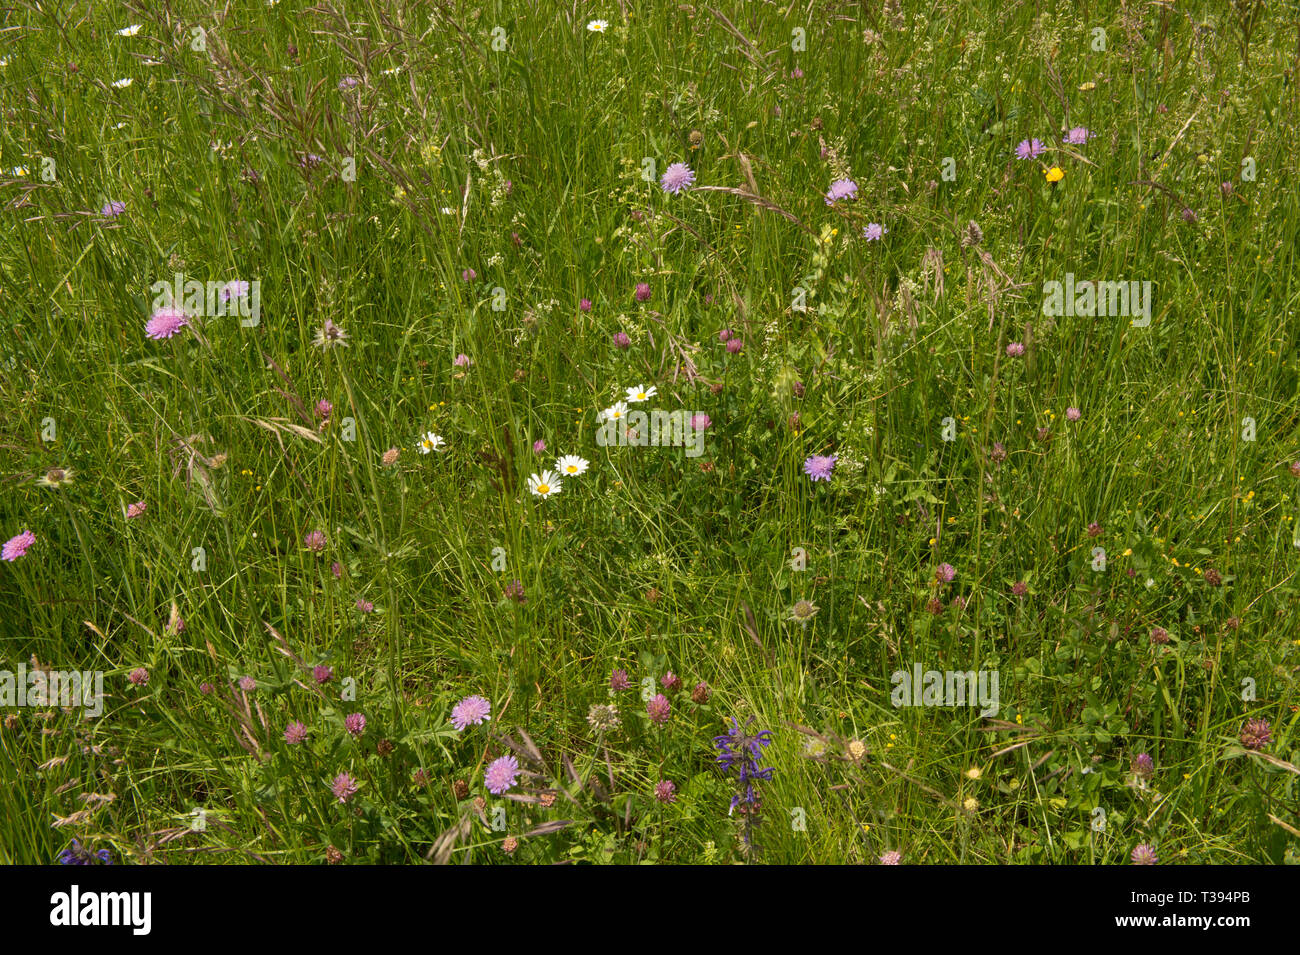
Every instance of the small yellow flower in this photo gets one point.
(1055, 174)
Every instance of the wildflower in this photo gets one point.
(295, 733)
(855, 750)
(347, 83)
(615, 412)
(330, 335)
(641, 393)
(598, 26)
(670, 681)
(112, 210)
(700, 422)
(818, 467)
(571, 465)
(803, 611)
(725, 334)
(642, 291)
(841, 189)
(165, 323)
(501, 775)
(945, 573)
(734, 345)
(344, 787)
(1029, 149)
(77, 854)
(892, 857)
(364, 605)
(973, 235)
(584, 305)
(132, 30)
(659, 708)
(1213, 577)
(17, 546)
(934, 605)
(874, 231)
(700, 694)
(390, 457)
(337, 570)
(333, 855)
(603, 717)
(138, 677)
(1073, 414)
(676, 178)
(468, 275)
(1015, 350)
(515, 591)
(1055, 174)
(666, 791)
(121, 85)
(998, 454)
(462, 361)
(56, 477)
(1159, 635)
(509, 844)
(322, 674)
(618, 680)
(971, 804)
(471, 711)
(1256, 734)
(539, 446)
(545, 484)
(1144, 767)
(430, 442)
(1295, 468)
(247, 684)
(1078, 136)
(1094, 529)
(355, 724)
(621, 340)
(740, 750)
(324, 409)
(1143, 855)
(1020, 588)
(314, 542)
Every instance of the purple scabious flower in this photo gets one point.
(501, 775)
(77, 854)
(874, 231)
(945, 574)
(1029, 149)
(892, 857)
(472, 710)
(659, 708)
(841, 189)
(677, 177)
(112, 210)
(1078, 135)
(355, 724)
(1143, 855)
(344, 787)
(618, 680)
(818, 467)
(17, 546)
(295, 733)
(165, 323)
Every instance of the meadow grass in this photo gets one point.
(494, 165)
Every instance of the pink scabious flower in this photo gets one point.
(666, 791)
(818, 467)
(1015, 350)
(472, 710)
(892, 857)
(17, 546)
(1078, 136)
(945, 573)
(364, 605)
(165, 323)
(314, 542)
(677, 177)
(734, 345)
(295, 733)
(322, 673)
(874, 231)
(1029, 149)
(1144, 855)
(701, 421)
(138, 677)
(621, 340)
(642, 293)
(1073, 414)
(841, 189)
(344, 787)
(235, 289)
(659, 708)
(136, 509)
(618, 680)
(355, 724)
(501, 775)
(112, 210)
(585, 305)
(461, 361)
(347, 83)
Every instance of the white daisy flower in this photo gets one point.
(641, 393)
(132, 30)
(571, 465)
(431, 442)
(615, 412)
(545, 484)
(598, 26)
(18, 171)
(124, 83)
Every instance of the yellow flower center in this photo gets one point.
(543, 489)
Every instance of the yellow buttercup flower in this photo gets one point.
(1055, 174)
